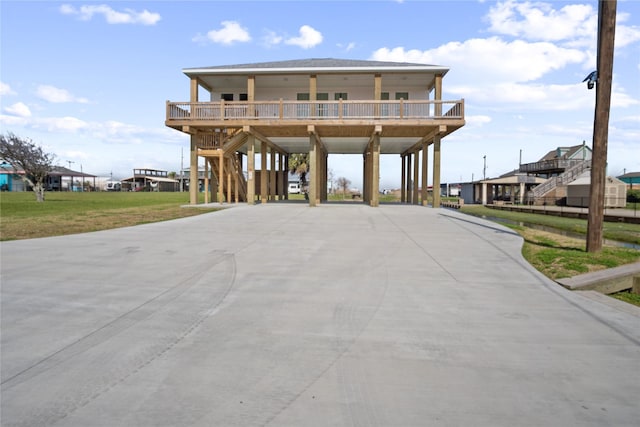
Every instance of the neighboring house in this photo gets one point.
(150, 180)
(631, 179)
(59, 179)
(10, 177)
(560, 167)
(511, 187)
(557, 161)
(314, 106)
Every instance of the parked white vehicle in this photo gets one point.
(112, 186)
(294, 188)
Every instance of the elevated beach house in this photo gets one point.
(314, 107)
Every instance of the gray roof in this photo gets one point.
(630, 175)
(320, 63)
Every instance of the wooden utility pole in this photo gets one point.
(606, 37)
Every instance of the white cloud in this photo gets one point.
(5, 89)
(57, 95)
(271, 38)
(128, 16)
(231, 32)
(540, 21)
(61, 124)
(18, 109)
(348, 47)
(625, 35)
(309, 37)
(488, 60)
(477, 120)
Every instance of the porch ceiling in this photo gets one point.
(348, 139)
(343, 145)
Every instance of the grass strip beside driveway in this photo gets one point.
(21, 217)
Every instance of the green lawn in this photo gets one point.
(622, 232)
(77, 212)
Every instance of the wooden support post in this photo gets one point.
(193, 172)
(416, 177)
(272, 175)
(313, 169)
(403, 180)
(436, 172)
(366, 175)
(206, 180)
(236, 179)
(220, 176)
(285, 177)
(606, 36)
(264, 176)
(409, 186)
(425, 173)
(375, 171)
(251, 170)
(229, 183)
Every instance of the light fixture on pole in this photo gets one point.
(591, 79)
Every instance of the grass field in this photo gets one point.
(21, 217)
(612, 230)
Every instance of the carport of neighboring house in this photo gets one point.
(316, 107)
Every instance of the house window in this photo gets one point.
(337, 96)
(227, 96)
(244, 97)
(323, 109)
(404, 96)
(302, 110)
(384, 110)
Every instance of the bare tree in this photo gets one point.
(31, 158)
(343, 184)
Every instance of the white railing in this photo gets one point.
(564, 178)
(316, 110)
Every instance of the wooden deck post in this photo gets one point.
(272, 175)
(409, 197)
(313, 169)
(263, 172)
(206, 180)
(375, 171)
(416, 177)
(251, 170)
(425, 173)
(220, 176)
(436, 172)
(193, 172)
(403, 194)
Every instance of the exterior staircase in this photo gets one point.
(553, 183)
(231, 165)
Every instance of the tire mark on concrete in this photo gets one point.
(83, 371)
(349, 327)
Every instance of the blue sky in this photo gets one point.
(89, 80)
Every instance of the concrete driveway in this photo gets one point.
(285, 315)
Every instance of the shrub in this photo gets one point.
(633, 196)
